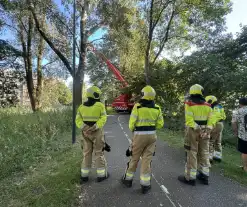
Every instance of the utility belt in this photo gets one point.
(89, 123)
(200, 123)
(145, 128)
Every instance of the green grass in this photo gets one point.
(110, 111)
(25, 137)
(39, 165)
(231, 157)
(53, 181)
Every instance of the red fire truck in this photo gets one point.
(123, 102)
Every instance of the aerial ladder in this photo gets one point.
(123, 102)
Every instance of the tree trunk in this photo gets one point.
(39, 73)
(79, 79)
(39, 69)
(149, 39)
(78, 90)
(29, 74)
(146, 67)
(27, 57)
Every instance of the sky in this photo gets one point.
(237, 16)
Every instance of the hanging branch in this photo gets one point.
(165, 38)
(50, 43)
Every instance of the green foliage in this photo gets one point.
(194, 23)
(8, 51)
(110, 111)
(55, 93)
(64, 94)
(219, 67)
(24, 136)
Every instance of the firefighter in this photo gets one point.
(91, 118)
(145, 118)
(199, 123)
(215, 148)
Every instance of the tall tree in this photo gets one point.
(62, 24)
(221, 67)
(19, 22)
(180, 21)
(91, 16)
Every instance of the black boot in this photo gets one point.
(182, 179)
(202, 178)
(145, 189)
(83, 180)
(100, 179)
(126, 183)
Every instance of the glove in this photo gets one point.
(128, 153)
(197, 128)
(107, 147)
(205, 133)
(92, 128)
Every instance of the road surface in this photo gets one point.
(166, 190)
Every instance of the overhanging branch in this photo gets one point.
(160, 13)
(50, 43)
(49, 63)
(96, 40)
(165, 38)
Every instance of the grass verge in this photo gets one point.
(39, 165)
(231, 157)
(53, 181)
(110, 110)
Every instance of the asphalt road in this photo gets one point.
(166, 190)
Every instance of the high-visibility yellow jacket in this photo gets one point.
(198, 114)
(142, 117)
(219, 113)
(95, 114)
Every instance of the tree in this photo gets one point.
(92, 16)
(19, 21)
(187, 21)
(55, 93)
(172, 27)
(56, 16)
(221, 67)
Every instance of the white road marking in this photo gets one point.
(163, 188)
(126, 135)
(108, 132)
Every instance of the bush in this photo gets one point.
(24, 136)
(228, 136)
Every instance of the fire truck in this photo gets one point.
(124, 102)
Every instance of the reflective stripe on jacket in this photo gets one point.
(146, 117)
(95, 113)
(198, 114)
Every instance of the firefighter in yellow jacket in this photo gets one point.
(215, 148)
(91, 118)
(199, 122)
(145, 118)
